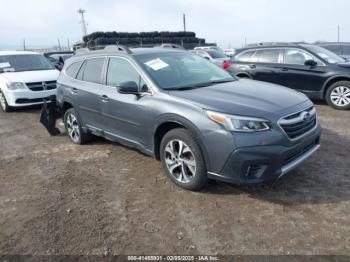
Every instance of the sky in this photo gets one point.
(229, 23)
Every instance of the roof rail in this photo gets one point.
(108, 48)
(274, 43)
(81, 51)
(120, 48)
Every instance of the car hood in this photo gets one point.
(243, 97)
(31, 76)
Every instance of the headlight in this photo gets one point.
(16, 85)
(239, 123)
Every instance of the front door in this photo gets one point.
(126, 116)
(295, 74)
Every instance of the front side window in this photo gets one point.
(20, 63)
(327, 55)
(334, 48)
(181, 70)
(266, 56)
(346, 50)
(297, 57)
(245, 56)
(120, 70)
(92, 70)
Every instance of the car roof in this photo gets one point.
(130, 52)
(278, 45)
(3, 53)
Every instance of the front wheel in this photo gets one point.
(338, 95)
(183, 159)
(3, 103)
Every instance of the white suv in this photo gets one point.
(26, 78)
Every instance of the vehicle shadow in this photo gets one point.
(323, 178)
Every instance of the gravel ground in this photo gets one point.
(104, 198)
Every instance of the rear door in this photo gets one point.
(260, 64)
(87, 92)
(295, 74)
(126, 116)
(265, 65)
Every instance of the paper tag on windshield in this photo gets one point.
(5, 64)
(156, 64)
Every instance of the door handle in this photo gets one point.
(284, 69)
(74, 91)
(252, 66)
(105, 98)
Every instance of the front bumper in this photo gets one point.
(20, 98)
(257, 164)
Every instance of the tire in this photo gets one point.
(74, 128)
(187, 170)
(3, 103)
(338, 95)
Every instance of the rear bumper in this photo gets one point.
(257, 164)
(27, 97)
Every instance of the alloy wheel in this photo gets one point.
(340, 96)
(73, 128)
(180, 161)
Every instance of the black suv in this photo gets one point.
(311, 69)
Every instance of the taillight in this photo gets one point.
(226, 65)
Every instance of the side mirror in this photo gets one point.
(129, 87)
(310, 63)
(59, 66)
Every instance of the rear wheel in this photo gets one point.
(183, 159)
(338, 95)
(74, 128)
(3, 103)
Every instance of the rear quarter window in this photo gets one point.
(245, 56)
(73, 69)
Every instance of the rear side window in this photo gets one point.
(245, 56)
(92, 70)
(266, 56)
(72, 70)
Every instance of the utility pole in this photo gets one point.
(59, 44)
(83, 22)
(338, 33)
(24, 44)
(184, 21)
(68, 45)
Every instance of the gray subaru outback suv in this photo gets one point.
(192, 115)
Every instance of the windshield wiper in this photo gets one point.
(204, 84)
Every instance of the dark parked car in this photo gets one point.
(341, 49)
(214, 56)
(185, 111)
(311, 69)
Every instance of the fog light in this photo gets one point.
(255, 171)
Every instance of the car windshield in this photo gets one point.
(19, 63)
(327, 55)
(216, 54)
(181, 71)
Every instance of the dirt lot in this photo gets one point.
(104, 198)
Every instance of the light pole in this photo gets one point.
(83, 22)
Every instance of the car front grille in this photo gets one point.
(298, 124)
(41, 86)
